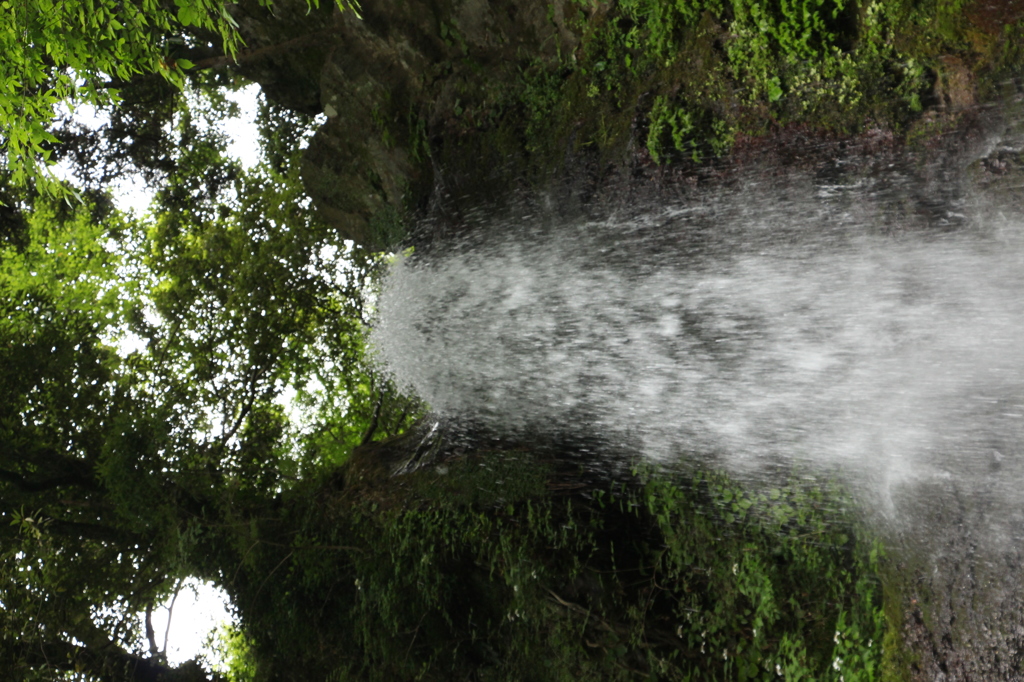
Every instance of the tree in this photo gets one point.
(113, 465)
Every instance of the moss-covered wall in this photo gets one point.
(471, 99)
(515, 563)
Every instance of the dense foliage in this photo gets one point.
(73, 53)
(507, 565)
(143, 364)
(62, 55)
(687, 81)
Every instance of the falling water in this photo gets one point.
(748, 326)
(867, 324)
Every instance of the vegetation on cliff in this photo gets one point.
(473, 103)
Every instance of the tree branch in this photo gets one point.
(243, 57)
(256, 374)
(150, 632)
(38, 486)
(260, 52)
(73, 471)
(375, 418)
(170, 612)
(110, 663)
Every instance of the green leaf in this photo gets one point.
(226, 16)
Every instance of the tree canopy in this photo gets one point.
(116, 456)
(62, 55)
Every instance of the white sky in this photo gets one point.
(199, 610)
(242, 130)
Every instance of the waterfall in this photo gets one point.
(757, 324)
(860, 320)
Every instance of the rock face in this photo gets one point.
(388, 79)
(436, 101)
(286, 49)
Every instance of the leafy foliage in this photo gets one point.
(800, 60)
(143, 364)
(69, 52)
(66, 557)
(686, 80)
(86, 52)
(488, 568)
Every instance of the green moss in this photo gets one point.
(897, 660)
(929, 128)
(386, 227)
(1005, 62)
(689, 78)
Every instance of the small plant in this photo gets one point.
(714, 68)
